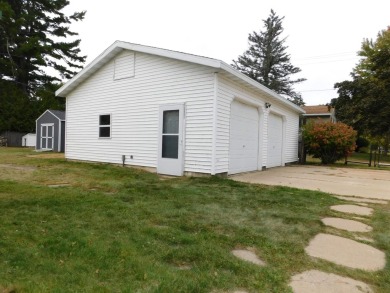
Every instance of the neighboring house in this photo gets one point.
(29, 140)
(318, 113)
(50, 131)
(176, 113)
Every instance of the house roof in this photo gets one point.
(219, 65)
(317, 110)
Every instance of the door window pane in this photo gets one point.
(43, 143)
(49, 143)
(44, 131)
(170, 146)
(171, 122)
(49, 131)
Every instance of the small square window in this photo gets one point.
(105, 125)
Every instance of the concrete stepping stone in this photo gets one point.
(58, 185)
(352, 209)
(235, 291)
(320, 282)
(346, 252)
(348, 225)
(367, 200)
(359, 218)
(248, 256)
(366, 239)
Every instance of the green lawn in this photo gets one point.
(366, 157)
(114, 229)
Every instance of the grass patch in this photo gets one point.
(114, 229)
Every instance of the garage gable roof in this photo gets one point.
(119, 46)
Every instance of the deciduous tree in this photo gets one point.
(364, 101)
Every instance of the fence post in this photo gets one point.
(369, 164)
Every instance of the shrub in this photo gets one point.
(329, 141)
(363, 150)
(362, 142)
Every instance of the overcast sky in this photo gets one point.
(323, 37)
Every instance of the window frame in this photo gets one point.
(109, 126)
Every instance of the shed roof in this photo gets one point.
(60, 114)
(219, 65)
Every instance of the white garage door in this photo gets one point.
(244, 138)
(275, 140)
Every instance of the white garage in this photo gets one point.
(275, 141)
(244, 138)
(176, 114)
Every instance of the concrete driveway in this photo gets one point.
(342, 181)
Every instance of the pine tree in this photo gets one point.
(34, 36)
(267, 62)
(37, 50)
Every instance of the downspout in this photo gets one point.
(214, 134)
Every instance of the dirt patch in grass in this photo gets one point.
(47, 156)
(8, 167)
(16, 172)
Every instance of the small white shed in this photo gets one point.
(176, 113)
(29, 140)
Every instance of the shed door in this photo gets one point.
(244, 138)
(170, 151)
(275, 140)
(47, 136)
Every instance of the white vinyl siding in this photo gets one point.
(275, 141)
(124, 65)
(134, 102)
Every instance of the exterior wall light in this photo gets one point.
(267, 105)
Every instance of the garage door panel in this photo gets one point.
(244, 128)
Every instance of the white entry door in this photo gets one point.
(244, 138)
(47, 136)
(170, 150)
